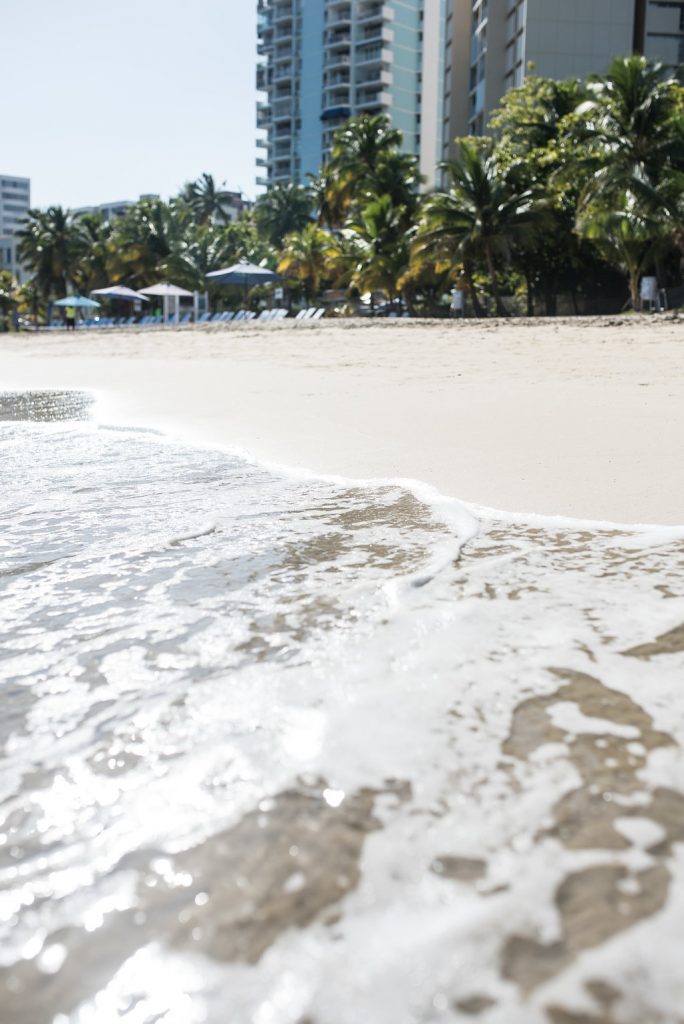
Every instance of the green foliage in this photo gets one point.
(208, 202)
(578, 184)
(9, 299)
(282, 210)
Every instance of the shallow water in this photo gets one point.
(284, 750)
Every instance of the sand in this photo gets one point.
(581, 418)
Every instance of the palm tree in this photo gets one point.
(50, 246)
(362, 142)
(207, 201)
(143, 240)
(629, 238)
(92, 270)
(628, 123)
(282, 210)
(305, 257)
(382, 249)
(204, 247)
(327, 198)
(478, 219)
(366, 162)
(9, 298)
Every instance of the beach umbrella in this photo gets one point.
(167, 291)
(120, 291)
(245, 274)
(78, 302)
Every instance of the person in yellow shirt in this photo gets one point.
(70, 318)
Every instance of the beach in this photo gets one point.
(581, 418)
(342, 671)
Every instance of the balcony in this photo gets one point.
(337, 60)
(335, 113)
(283, 72)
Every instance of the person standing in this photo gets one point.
(457, 303)
(70, 318)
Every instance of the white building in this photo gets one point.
(492, 44)
(324, 61)
(15, 202)
(111, 210)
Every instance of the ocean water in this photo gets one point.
(285, 750)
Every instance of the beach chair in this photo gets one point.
(216, 317)
(205, 318)
(186, 318)
(171, 322)
(240, 315)
(130, 321)
(282, 314)
(318, 314)
(250, 315)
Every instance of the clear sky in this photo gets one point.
(103, 101)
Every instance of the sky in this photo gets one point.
(106, 101)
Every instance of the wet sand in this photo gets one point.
(581, 418)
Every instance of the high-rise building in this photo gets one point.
(324, 61)
(490, 45)
(15, 201)
(659, 30)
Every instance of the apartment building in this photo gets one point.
(324, 61)
(15, 201)
(490, 45)
(659, 30)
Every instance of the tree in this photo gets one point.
(366, 162)
(208, 202)
(535, 148)
(50, 247)
(629, 238)
(143, 239)
(382, 249)
(479, 218)
(627, 127)
(92, 269)
(282, 210)
(305, 257)
(9, 298)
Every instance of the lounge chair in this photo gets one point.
(205, 318)
(318, 314)
(130, 321)
(186, 318)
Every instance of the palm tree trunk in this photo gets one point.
(530, 293)
(500, 308)
(634, 288)
(468, 274)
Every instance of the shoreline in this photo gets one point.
(564, 421)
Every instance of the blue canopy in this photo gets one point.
(78, 302)
(245, 274)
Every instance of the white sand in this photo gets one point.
(581, 418)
